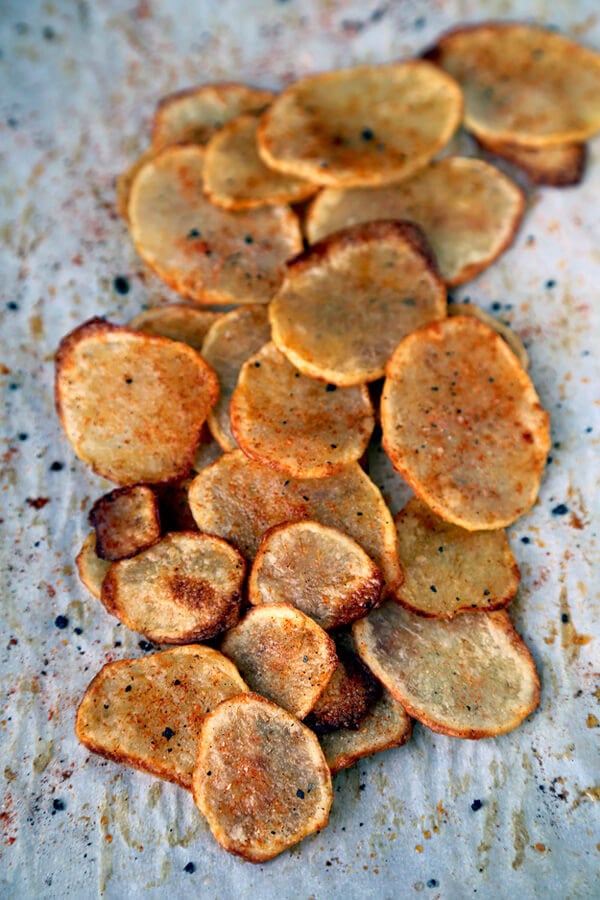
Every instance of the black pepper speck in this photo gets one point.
(58, 805)
(476, 804)
(56, 467)
(121, 285)
(190, 868)
(61, 622)
(560, 510)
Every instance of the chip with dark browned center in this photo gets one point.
(126, 521)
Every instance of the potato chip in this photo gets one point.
(387, 725)
(523, 84)
(229, 343)
(176, 321)
(238, 499)
(507, 334)
(205, 253)
(468, 209)
(463, 424)
(448, 570)
(260, 779)
(317, 569)
(124, 181)
(126, 521)
(235, 177)
(469, 677)
(90, 567)
(368, 125)
(283, 655)
(132, 405)
(294, 423)
(148, 712)
(193, 116)
(559, 166)
(347, 302)
(186, 588)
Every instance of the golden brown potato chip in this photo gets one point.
(317, 569)
(387, 725)
(186, 588)
(347, 302)
(126, 521)
(148, 712)
(124, 181)
(468, 209)
(260, 779)
(511, 337)
(132, 405)
(559, 166)
(229, 343)
(283, 655)
(205, 253)
(176, 321)
(90, 567)
(192, 116)
(463, 424)
(469, 677)
(239, 499)
(235, 177)
(448, 570)
(523, 84)
(294, 423)
(368, 125)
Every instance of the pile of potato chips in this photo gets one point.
(245, 515)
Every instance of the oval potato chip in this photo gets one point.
(126, 521)
(260, 779)
(132, 405)
(186, 588)
(205, 253)
(507, 334)
(468, 677)
(347, 302)
(92, 570)
(176, 321)
(462, 423)
(148, 712)
(560, 166)
(238, 499)
(368, 125)
(468, 209)
(294, 423)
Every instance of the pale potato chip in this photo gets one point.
(126, 179)
(448, 570)
(317, 569)
(469, 677)
(347, 302)
(176, 321)
(91, 568)
(126, 521)
(132, 405)
(468, 209)
(192, 116)
(148, 712)
(387, 725)
(560, 166)
(229, 343)
(463, 424)
(260, 779)
(294, 423)
(523, 84)
(235, 177)
(507, 334)
(239, 499)
(368, 125)
(283, 655)
(186, 588)
(207, 254)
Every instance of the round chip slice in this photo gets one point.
(186, 588)
(176, 321)
(260, 779)
(317, 569)
(126, 179)
(523, 84)
(92, 570)
(347, 302)
(468, 209)
(207, 254)
(148, 712)
(132, 405)
(228, 344)
(239, 499)
(463, 424)
(448, 570)
(507, 334)
(559, 166)
(368, 125)
(295, 423)
(235, 176)
(468, 677)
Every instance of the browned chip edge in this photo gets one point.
(568, 176)
(94, 515)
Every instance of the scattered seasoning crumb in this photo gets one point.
(145, 645)
(560, 510)
(23, 436)
(525, 540)
(249, 239)
(330, 387)
(12, 305)
(61, 622)
(476, 804)
(300, 793)
(121, 284)
(78, 630)
(550, 283)
(168, 733)
(190, 868)
(193, 233)
(564, 618)
(58, 805)
(56, 467)
(128, 688)
(367, 134)
(433, 882)
(433, 588)
(37, 502)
